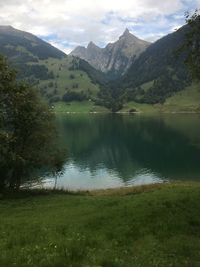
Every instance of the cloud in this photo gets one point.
(66, 23)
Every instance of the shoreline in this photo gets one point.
(130, 113)
(118, 191)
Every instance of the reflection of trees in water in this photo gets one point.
(125, 144)
(186, 124)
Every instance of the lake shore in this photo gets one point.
(127, 112)
(86, 107)
(151, 225)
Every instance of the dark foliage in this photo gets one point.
(37, 71)
(96, 76)
(74, 96)
(191, 46)
(111, 98)
(54, 99)
(26, 130)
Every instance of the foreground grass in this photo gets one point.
(145, 226)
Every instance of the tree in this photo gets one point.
(192, 43)
(111, 97)
(26, 129)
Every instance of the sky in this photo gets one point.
(69, 23)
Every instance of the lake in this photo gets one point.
(114, 150)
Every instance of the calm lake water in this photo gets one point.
(106, 151)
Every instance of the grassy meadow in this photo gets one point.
(185, 101)
(78, 107)
(155, 225)
(65, 79)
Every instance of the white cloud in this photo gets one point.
(102, 21)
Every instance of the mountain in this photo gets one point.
(116, 57)
(155, 75)
(45, 66)
(25, 43)
(159, 71)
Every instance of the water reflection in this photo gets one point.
(115, 150)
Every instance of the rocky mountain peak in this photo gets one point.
(115, 57)
(92, 45)
(126, 32)
(128, 35)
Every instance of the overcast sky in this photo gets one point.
(68, 23)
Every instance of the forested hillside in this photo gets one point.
(160, 71)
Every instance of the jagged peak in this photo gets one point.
(127, 34)
(79, 47)
(126, 31)
(77, 50)
(92, 45)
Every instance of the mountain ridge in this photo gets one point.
(160, 71)
(115, 57)
(154, 75)
(32, 43)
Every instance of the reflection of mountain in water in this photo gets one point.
(128, 144)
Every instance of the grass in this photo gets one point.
(156, 225)
(65, 79)
(146, 86)
(187, 100)
(78, 107)
(144, 108)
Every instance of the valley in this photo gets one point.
(99, 133)
(129, 75)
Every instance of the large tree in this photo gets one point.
(26, 129)
(192, 43)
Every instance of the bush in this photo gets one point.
(72, 76)
(55, 99)
(75, 86)
(132, 110)
(74, 96)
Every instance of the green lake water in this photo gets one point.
(106, 151)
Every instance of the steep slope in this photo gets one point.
(48, 67)
(115, 57)
(159, 71)
(186, 100)
(15, 43)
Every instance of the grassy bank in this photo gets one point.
(155, 225)
(78, 107)
(185, 101)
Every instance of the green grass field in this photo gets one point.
(65, 79)
(78, 107)
(144, 108)
(187, 100)
(156, 225)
